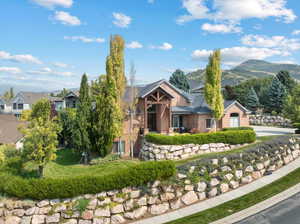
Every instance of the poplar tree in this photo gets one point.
(213, 86)
(81, 138)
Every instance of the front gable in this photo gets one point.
(235, 105)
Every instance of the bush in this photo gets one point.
(49, 188)
(106, 159)
(296, 125)
(228, 137)
(237, 129)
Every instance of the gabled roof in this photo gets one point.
(33, 97)
(73, 93)
(229, 103)
(9, 133)
(144, 91)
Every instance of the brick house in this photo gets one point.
(163, 108)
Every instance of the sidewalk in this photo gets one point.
(213, 202)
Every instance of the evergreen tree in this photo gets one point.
(67, 121)
(229, 93)
(252, 101)
(212, 89)
(276, 96)
(286, 80)
(81, 136)
(179, 80)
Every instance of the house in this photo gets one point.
(163, 108)
(9, 130)
(25, 100)
(5, 106)
(71, 99)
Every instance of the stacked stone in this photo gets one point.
(123, 206)
(268, 120)
(151, 151)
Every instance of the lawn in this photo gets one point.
(243, 202)
(67, 165)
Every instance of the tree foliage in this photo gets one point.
(40, 136)
(276, 96)
(179, 80)
(67, 120)
(212, 89)
(286, 80)
(81, 132)
(252, 101)
(291, 108)
(8, 95)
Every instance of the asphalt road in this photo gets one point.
(267, 131)
(285, 212)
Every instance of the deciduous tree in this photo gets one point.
(291, 109)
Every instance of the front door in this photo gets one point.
(234, 120)
(152, 118)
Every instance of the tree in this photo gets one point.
(63, 93)
(212, 89)
(8, 95)
(276, 96)
(252, 101)
(286, 80)
(67, 121)
(107, 117)
(26, 115)
(229, 93)
(81, 137)
(291, 109)
(179, 80)
(40, 136)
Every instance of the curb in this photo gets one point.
(213, 202)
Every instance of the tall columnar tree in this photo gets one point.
(40, 137)
(107, 117)
(213, 86)
(291, 109)
(285, 78)
(179, 80)
(81, 137)
(252, 101)
(276, 96)
(67, 120)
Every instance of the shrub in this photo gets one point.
(296, 125)
(228, 137)
(50, 188)
(106, 159)
(237, 129)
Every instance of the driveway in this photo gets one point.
(267, 131)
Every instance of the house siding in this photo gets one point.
(244, 117)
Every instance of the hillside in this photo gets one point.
(250, 69)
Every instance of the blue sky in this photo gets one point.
(49, 44)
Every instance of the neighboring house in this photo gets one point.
(5, 107)
(71, 99)
(25, 100)
(9, 132)
(164, 108)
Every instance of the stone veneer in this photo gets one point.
(269, 120)
(222, 174)
(152, 151)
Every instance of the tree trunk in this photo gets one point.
(41, 171)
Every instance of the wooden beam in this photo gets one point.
(145, 114)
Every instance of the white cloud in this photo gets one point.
(235, 55)
(49, 71)
(296, 32)
(24, 58)
(134, 45)
(66, 18)
(257, 27)
(235, 11)
(53, 3)
(60, 65)
(221, 28)
(285, 62)
(12, 70)
(85, 39)
(165, 47)
(151, 1)
(277, 42)
(121, 20)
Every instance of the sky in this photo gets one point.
(49, 44)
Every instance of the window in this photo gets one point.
(20, 106)
(119, 147)
(177, 121)
(208, 123)
(74, 103)
(2, 107)
(14, 106)
(58, 106)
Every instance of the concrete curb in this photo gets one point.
(239, 216)
(213, 202)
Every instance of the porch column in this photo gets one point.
(146, 130)
(170, 119)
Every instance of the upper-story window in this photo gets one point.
(20, 106)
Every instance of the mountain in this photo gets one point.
(248, 70)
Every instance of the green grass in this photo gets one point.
(243, 202)
(214, 154)
(67, 165)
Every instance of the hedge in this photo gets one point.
(237, 129)
(228, 137)
(48, 188)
